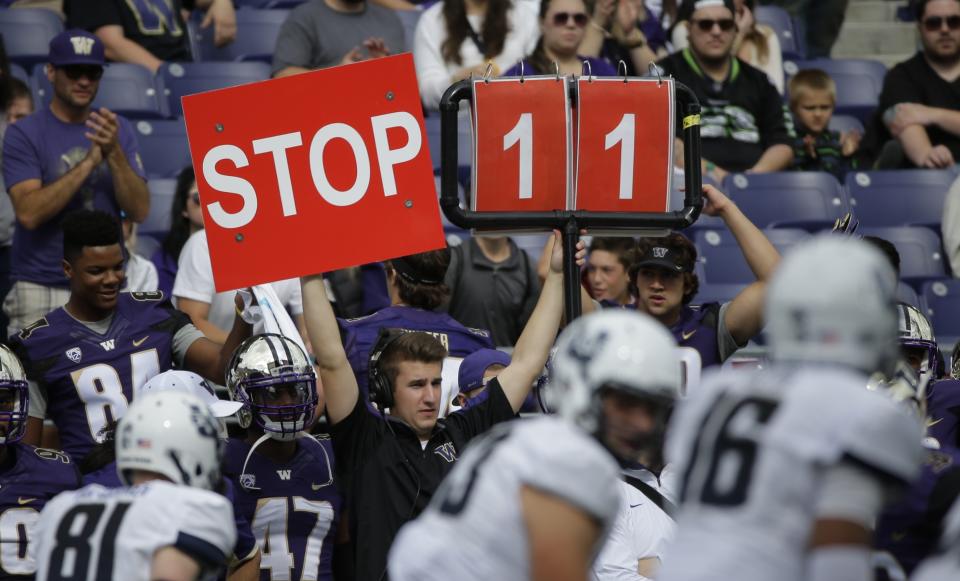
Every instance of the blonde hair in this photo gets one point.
(811, 80)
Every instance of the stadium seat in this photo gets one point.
(722, 259)
(779, 20)
(859, 82)
(899, 197)
(157, 222)
(257, 32)
(843, 123)
(125, 89)
(941, 299)
(18, 72)
(181, 79)
(267, 4)
(26, 34)
(147, 245)
(409, 18)
(810, 200)
(921, 257)
(163, 147)
(906, 294)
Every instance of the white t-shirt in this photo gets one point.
(131, 524)
(195, 281)
(474, 527)
(433, 73)
(141, 275)
(754, 447)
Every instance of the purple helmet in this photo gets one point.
(14, 397)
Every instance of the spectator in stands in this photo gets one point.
(456, 38)
(416, 287)
(476, 371)
(150, 33)
(917, 123)
(563, 24)
(493, 285)
(950, 228)
(185, 219)
(743, 122)
(327, 33)
(813, 95)
(625, 30)
(756, 44)
(20, 103)
(821, 20)
(65, 157)
(140, 275)
(607, 270)
(212, 312)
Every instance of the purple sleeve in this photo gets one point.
(21, 160)
(128, 141)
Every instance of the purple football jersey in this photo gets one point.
(293, 507)
(698, 328)
(943, 407)
(42, 147)
(32, 478)
(910, 529)
(89, 378)
(360, 335)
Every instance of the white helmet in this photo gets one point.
(171, 433)
(832, 300)
(624, 350)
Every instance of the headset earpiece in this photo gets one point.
(381, 389)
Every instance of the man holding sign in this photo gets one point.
(394, 463)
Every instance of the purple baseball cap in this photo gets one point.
(76, 47)
(473, 366)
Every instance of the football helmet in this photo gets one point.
(616, 350)
(916, 332)
(14, 397)
(173, 434)
(832, 300)
(271, 375)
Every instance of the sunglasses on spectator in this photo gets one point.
(195, 197)
(562, 18)
(935, 23)
(74, 72)
(707, 24)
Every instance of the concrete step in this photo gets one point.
(872, 11)
(868, 40)
(889, 60)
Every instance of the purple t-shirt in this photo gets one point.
(43, 147)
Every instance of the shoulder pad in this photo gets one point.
(52, 455)
(480, 332)
(153, 296)
(27, 331)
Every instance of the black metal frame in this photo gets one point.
(568, 222)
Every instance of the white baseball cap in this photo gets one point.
(189, 382)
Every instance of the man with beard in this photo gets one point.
(917, 123)
(743, 124)
(326, 33)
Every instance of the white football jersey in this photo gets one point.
(639, 534)
(751, 449)
(112, 533)
(945, 564)
(474, 529)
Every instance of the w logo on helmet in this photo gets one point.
(82, 44)
(659, 252)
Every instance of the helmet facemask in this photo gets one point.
(281, 405)
(632, 424)
(13, 410)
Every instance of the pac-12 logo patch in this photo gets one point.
(74, 354)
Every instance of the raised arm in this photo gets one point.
(339, 384)
(210, 359)
(744, 315)
(533, 346)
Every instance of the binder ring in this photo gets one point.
(589, 71)
(521, 70)
(654, 69)
(556, 67)
(622, 69)
(486, 74)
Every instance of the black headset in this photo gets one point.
(380, 386)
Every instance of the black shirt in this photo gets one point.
(161, 30)
(913, 81)
(742, 116)
(389, 478)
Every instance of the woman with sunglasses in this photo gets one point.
(563, 24)
(628, 31)
(185, 219)
(459, 38)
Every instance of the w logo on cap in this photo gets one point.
(659, 252)
(82, 45)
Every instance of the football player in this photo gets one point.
(784, 469)
(945, 565)
(282, 476)
(29, 477)
(166, 523)
(86, 359)
(540, 495)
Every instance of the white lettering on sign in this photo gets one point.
(278, 146)
(624, 134)
(522, 133)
